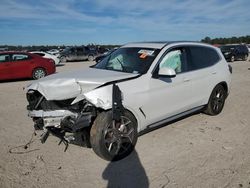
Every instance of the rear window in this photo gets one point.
(202, 57)
(40, 54)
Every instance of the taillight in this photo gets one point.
(51, 61)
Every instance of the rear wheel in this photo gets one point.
(112, 140)
(232, 59)
(63, 59)
(245, 57)
(91, 58)
(38, 73)
(216, 101)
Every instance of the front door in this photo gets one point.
(4, 66)
(169, 96)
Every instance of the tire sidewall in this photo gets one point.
(209, 110)
(90, 58)
(34, 71)
(232, 59)
(97, 135)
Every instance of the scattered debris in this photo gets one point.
(218, 128)
(15, 150)
(59, 168)
(202, 130)
(227, 148)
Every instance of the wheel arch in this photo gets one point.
(225, 86)
(126, 108)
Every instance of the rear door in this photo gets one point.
(202, 71)
(80, 53)
(5, 72)
(21, 65)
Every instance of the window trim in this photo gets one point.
(154, 72)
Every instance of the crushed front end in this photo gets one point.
(69, 122)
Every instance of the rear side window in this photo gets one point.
(201, 57)
(19, 57)
(4, 58)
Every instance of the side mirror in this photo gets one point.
(167, 72)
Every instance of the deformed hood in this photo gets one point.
(70, 84)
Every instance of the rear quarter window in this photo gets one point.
(201, 57)
(19, 57)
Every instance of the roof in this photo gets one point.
(159, 44)
(13, 52)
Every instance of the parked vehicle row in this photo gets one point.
(78, 53)
(235, 52)
(16, 65)
(138, 87)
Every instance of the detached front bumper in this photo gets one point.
(62, 119)
(50, 118)
(69, 127)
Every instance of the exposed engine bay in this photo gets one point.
(70, 122)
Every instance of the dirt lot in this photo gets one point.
(198, 151)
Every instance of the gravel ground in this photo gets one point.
(198, 151)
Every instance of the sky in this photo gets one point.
(76, 22)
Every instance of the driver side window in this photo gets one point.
(173, 60)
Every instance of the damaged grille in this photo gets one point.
(37, 102)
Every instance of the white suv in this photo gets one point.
(137, 87)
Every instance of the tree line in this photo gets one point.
(230, 40)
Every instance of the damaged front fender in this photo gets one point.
(100, 97)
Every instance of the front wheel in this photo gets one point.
(216, 101)
(112, 140)
(38, 73)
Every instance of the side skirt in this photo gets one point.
(161, 123)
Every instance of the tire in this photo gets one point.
(216, 101)
(63, 59)
(38, 73)
(245, 58)
(90, 58)
(232, 59)
(113, 141)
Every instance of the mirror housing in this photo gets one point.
(167, 72)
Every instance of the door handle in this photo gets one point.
(186, 79)
(214, 72)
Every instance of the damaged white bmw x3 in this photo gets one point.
(137, 87)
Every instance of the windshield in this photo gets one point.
(130, 60)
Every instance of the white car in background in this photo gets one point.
(137, 87)
(248, 47)
(55, 52)
(56, 59)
